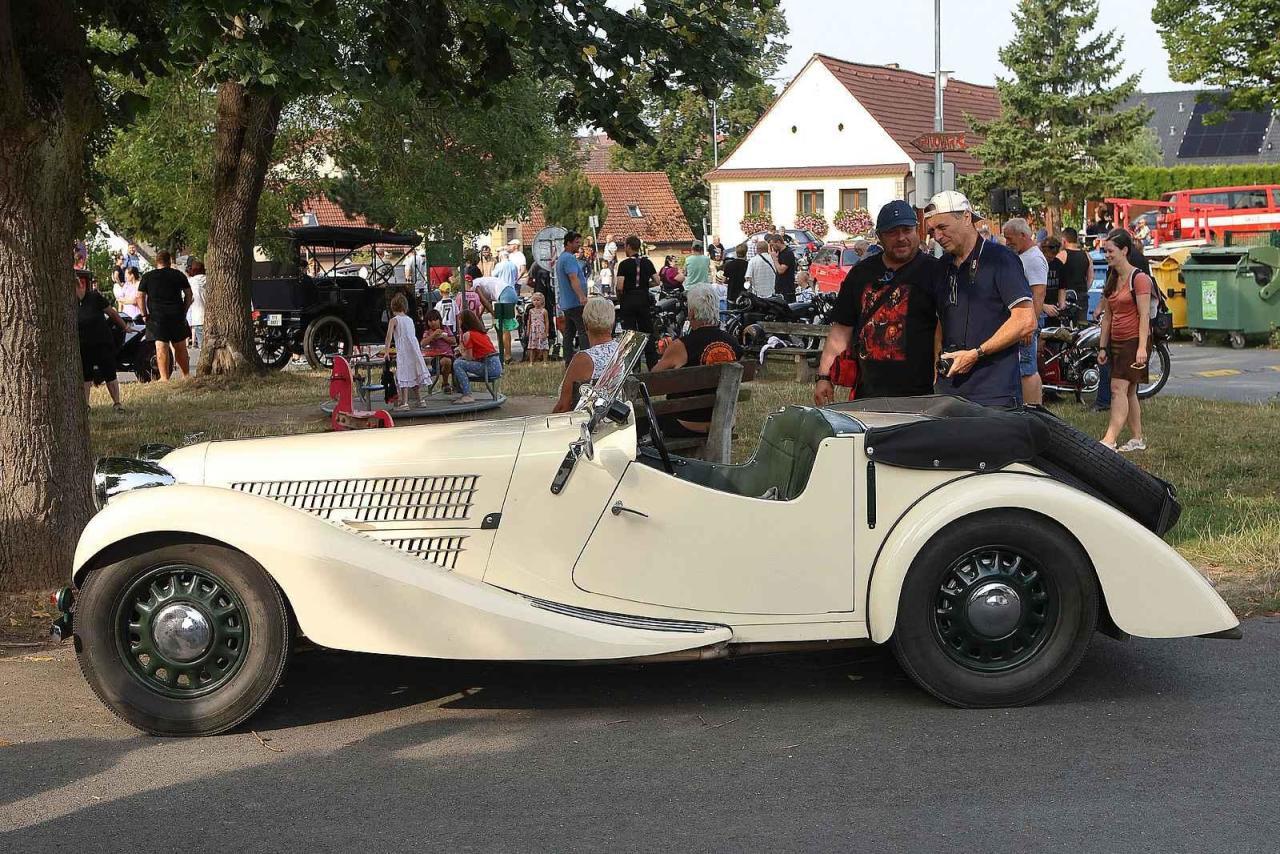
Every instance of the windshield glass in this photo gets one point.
(608, 388)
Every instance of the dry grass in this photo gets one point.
(1222, 456)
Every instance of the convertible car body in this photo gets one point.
(558, 538)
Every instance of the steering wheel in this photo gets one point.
(655, 432)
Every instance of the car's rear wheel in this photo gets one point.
(274, 352)
(325, 338)
(997, 610)
(183, 640)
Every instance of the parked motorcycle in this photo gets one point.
(749, 311)
(1068, 362)
(134, 353)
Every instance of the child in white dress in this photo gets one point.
(411, 369)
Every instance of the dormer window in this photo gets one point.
(633, 211)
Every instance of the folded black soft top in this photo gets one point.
(958, 435)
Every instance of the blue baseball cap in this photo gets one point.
(895, 214)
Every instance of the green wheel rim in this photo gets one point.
(992, 639)
(157, 601)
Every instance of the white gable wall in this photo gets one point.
(730, 200)
(816, 104)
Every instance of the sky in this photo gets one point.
(901, 31)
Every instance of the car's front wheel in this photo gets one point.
(997, 610)
(186, 639)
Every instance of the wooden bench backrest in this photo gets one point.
(713, 386)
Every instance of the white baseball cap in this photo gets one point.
(949, 201)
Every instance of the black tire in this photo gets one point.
(1159, 359)
(1111, 476)
(274, 354)
(1054, 641)
(101, 635)
(1199, 338)
(326, 337)
(1237, 340)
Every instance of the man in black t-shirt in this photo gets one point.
(887, 315)
(735, 272)
(97, 345)
(785, 284)
(1077, 270)
(166, 296)
(636, 274)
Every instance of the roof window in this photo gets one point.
(633, 211)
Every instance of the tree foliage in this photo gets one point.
(1151, 183)
(1233, 45)
(570, 200)
(407, 162)
(1060, 136)
(681, 121)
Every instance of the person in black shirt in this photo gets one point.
(636, 274)
(785, 284)
(97, 345)
(715, 249)
(1077, 270)
(735, 272)
(704, 344)
(887, 314)
(166, 296)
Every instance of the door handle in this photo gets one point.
(619, 508)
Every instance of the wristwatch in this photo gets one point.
(981, 353)
(823, 378)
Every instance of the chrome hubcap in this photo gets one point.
(181, 632)
(994, 610)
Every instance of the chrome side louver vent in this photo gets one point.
(383, 499)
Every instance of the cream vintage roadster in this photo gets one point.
(965, 538)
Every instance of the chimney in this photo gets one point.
(892, 65)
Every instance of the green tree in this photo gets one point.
(1233, 45)
(453, 171)
(682, 120)
(571, 200)
(1060, 136)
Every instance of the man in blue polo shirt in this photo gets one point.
(571, 294)
(984, 303)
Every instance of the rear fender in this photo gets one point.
(349, 591)
(1150, 590)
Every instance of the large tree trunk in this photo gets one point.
(46, 112)
(247, 121)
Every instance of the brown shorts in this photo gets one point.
(1122, 355)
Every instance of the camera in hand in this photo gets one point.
(944, 365)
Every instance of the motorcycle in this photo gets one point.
(135, 354)
(749, 311)
(1068, 361)
(670, 312)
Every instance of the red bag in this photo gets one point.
(844, 372)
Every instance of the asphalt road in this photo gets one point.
(1160, 746)
(1219, 373)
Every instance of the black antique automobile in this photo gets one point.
(316, 303)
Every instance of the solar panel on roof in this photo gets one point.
(1240, 134)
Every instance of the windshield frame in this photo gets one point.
(597, 397)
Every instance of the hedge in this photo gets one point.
(1150, 182)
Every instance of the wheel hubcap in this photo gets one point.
(181, 631)
(995, 609)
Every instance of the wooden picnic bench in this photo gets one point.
(805, 358)
(716, 386)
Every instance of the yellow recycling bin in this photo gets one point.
(1168, 273)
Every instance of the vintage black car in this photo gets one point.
(314, 304)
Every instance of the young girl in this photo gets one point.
(539, 324)
(411, 368)
(477, 359)
(437, 345)
(468, 300)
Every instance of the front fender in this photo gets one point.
(1149, 589)
(349, 591)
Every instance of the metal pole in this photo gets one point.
(937, 90)
(715, 136)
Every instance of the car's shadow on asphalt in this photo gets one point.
(325, 685)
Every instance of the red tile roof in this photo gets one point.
(661, 221)
(895, 169)
(328, 213)
(902, 103)
(597, 151)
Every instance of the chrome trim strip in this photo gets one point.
(630, 621)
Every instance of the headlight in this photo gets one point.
(114, 475)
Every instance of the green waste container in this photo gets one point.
(1233, 289)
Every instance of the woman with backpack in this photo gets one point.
(1125, 342)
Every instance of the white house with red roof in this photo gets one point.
(838, 137)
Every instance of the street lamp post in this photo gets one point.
(937, 90)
